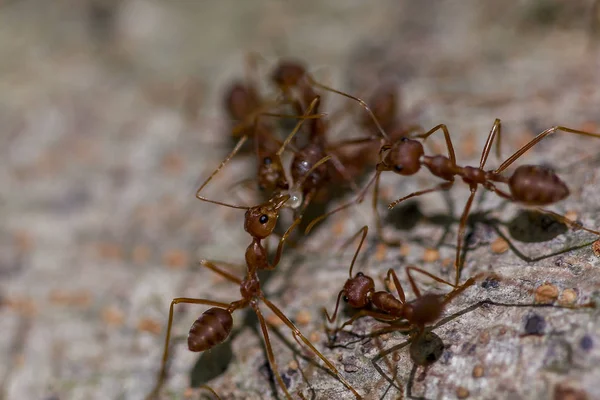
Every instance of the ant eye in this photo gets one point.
(345, 298)
(398, 168)
(262, 188)
(263, 219)
(360, 274)
(404, 139)
(267, 161)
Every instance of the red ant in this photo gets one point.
(359, 292)
(292, 77)
(215, 324)
(308, 172)
(530, 185)
(243, 102)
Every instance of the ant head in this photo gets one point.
(271, 175)
(288, 73)
(424, 310)
(240, 100)
(358, 290)
(549, 188)
(404, 156)
(260, 221)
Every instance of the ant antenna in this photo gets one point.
(360, 101)
(364, 230)
(237, 147)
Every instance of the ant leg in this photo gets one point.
(307, 342)
(536, 140)
(444, 129)
(311, 170)
(261, 111)
(461, 232)
(406, 327)
(270, 355)
(441, 186)
(349, 142)
(287, 140)
(312, 81)
(378, 222)
(496, 129)
(279, 251)
(237, 147)
(162, 375)
(339, 166)
(337, 304)
(389, 364)
(359, 199)
(459, 289)
(418, 129)
(397, 284)
(367, 313)
(243, 125)
(570, 223)
(435, 278)
(208, 388)
(225, 274)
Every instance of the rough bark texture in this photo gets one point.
(111, 115)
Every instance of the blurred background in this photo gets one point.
(111, 115)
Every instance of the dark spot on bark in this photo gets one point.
(490, 283)
(586, 343)
(535, 325)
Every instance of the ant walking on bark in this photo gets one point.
(529, 185)
(359, 292)
(215, 324)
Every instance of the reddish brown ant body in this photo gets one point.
(215, 324)
(530, 185)
(243, 103)
(359, 292)
(290, 77)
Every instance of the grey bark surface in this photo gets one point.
(111, 115)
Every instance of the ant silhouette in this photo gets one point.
(215, 324)
(529, 185)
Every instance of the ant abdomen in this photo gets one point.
(304, 161)
(210, 329)
(537, 185)
(240, 101)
